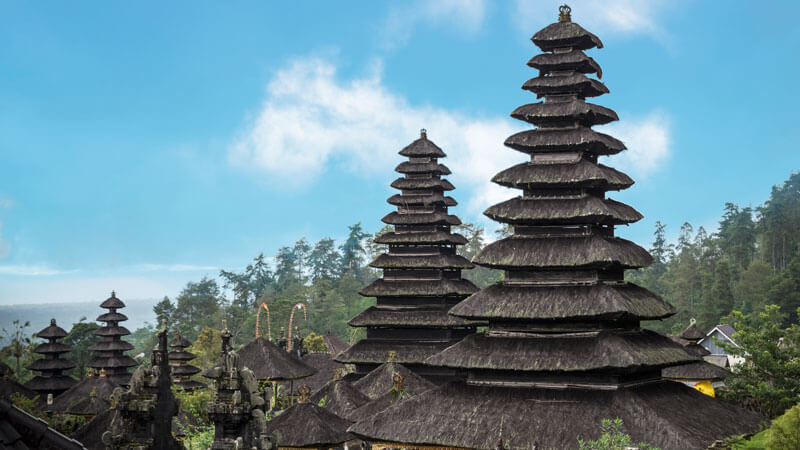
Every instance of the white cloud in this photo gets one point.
(30, 270)
(648, 141)
(173, 268)
(464, 16)
(606, 17)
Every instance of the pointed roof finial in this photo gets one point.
(52, 321)
(564, 13)
(392, 357)
(423, 133)
(113, 294)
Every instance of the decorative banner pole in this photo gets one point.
(298, 305)
(258, 316)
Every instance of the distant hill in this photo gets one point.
(39, 315)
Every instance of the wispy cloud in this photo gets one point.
(31, 270)
(648, 140)
(172, 268)
(462, 16)
(606, 17)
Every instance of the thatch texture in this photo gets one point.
(544, 113)
(54, 385)
(91, 433)
(368, 351)
(420, 218)
(401, 317)
(418, 288)
(618, 351)
(270, 362)
(435, 198)
(422, 183)
(422, 147)
(380, 381)
(22, 431)
(334, 343)
(308, 425)
(695, 371)
(549, 211)
(87, 398)
(518, 252)
(575, 60)
(666, 415)
(565, 34)
(389, 261)
(691, 333)
(421, 237)
(379, 404)
(581, 174)
(339, 397)
(612, 301)
(325, 367)
(9, 387)
(422, 167)
(575, 83)
(564, 139)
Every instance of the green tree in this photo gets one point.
(784, 289)
(613, 438)
(718, 302)
(778, 226)
(784, 434)
(753, 286)
(197, 306)
(481, 276)
(353, 250)
(80, 338)
(324, 260)
(19, 343)
(164, 310)
(769, 380)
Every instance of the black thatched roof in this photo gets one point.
(436, 261)
(368, 351)
(403, 317)
(698, 370)
(87, 398)
(21, 431)
(334, 343)
(112, 302)
(577, 83)
(179, 342)
(380, 381)
(9, 387)
(325, 368)
(53, 385)
(548, 211)
(52, 331)
(422, 183)
(419, 288)
(691, 333)
(575, 60)
(667, 415)
(580, 174)
(422, 237)
(564, 140)
(308, 425)
(91, 433)
(589, 302)
(379, 404)
(270, 362)
(340, 397)
(109, 353)
(422, 167)
(421, 218)
(544, 113)
(422, 147)
(435, 198)
(565, 34)
(521, 251)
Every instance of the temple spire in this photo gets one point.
(52, 380)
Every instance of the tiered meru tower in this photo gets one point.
(51, 366)
(182, 370)
(110, 351)
(421, 272)
(564, 348)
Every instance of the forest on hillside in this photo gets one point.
(751, 261)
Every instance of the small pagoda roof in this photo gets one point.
(367, 351)
(334, 343)
(422, 147)
(52, 347)
(112, 302)
(419, 288)
(184, 370)
(422, 183)
(520, 252)
(383, 316)
(599, 302)
(308, 425)
(558, 211)
(427, 218)
(696, 371)
(577, 173)
(380, 380)
(179, 342)
(379, 404)
(325, 368)
(421, 237)
(470, 416)
(563, 35)
(180, 356)
(546, 113)
(438, 261)
(579, 139)
(51, 364)
(52, 331)
(107, 346)
(112, 331)
(575, 60)
(574, 83)
(618, 351)
(112, 317)
(340, 397)
(270, 362)
(88, 397)
(60, 383)
(22, 431)
(691, 333)
(423, 200)
(422, 167)
(112, 362)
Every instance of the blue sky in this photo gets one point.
(145, 144)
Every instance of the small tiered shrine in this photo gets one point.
(110, 351)
(421, 272)
(564, 348)
(701, 375)
(52, 380)
(179, 358)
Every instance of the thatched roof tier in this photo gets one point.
(575, 60)
(600, 351)
(691, 333)
(46, 364)
(382, 316)
(54, 385)
(52, 331)
(422, 200)
(112, 302)
(51, 379)
(439, 261)
(184, 370)
(565, 34)
(112, 362)
(112, 317)
(548, 211)
(91, 433)
(308, 425)
(179, 342)
(108, 346)
(52, 347)
(696, 350)
(340, 397)
(375, 351)
(387, 400)
(421, 237)
(112, 330)
(381, 380)
(182, 356)
(422, 167)
(564, 139)
(87, 398)
(574, 83)
(325, 368)
(270, 362)
(422, 183)
(422, 147)
(22, 431)
(334, 343)
(698, 370)
(608, 302)
(666, 415)
(578, 173)
(421, 218)
(574, 110)
(419, 288)
(521, 252)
